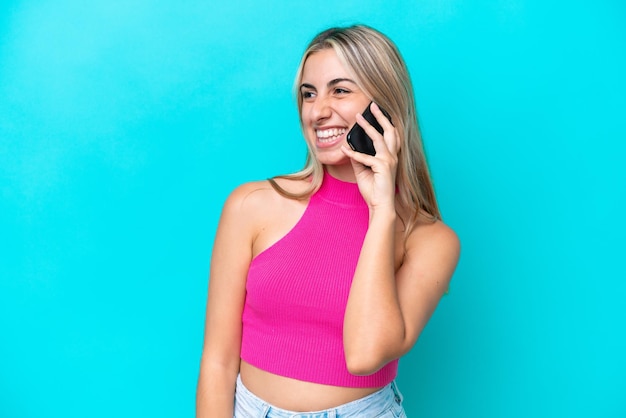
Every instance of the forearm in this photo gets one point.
(373, 324)
(215, 395)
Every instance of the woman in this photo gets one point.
(322, 279)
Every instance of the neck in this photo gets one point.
(343, 172)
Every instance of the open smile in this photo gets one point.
(327, 136)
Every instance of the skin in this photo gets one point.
(397, 284)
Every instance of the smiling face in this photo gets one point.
(331, 99)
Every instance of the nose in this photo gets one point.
(321, 109)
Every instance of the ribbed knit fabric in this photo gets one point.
(298, 288)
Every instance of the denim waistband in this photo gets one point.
(248, 405)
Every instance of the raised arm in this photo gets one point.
(388, 306)
(222, 340)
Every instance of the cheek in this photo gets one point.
(350, 110)
(305, 125)
(304, 117)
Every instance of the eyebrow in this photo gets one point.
(331, 83)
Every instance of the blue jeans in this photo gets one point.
(387, 402)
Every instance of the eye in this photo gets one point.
(307, 94)
(341, 91)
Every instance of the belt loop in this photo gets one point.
(396, 392)
(266, 411)
(332, 413)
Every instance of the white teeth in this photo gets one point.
(329, 134)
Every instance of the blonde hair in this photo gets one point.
(382, 74)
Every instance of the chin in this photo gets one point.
(336, 157)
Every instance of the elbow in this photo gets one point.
(362, 369)
(365, 363)
(368, 358)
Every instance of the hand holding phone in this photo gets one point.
(358, 139)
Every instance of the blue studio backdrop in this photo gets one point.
(125, 124)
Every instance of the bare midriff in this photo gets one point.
(297, 395)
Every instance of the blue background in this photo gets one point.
(125, 124)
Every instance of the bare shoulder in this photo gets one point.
(250, 198)
(430, 232)
(248, 194)
(436, 240)
(262, 214)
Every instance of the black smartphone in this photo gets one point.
(358, 139)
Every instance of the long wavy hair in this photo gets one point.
(382, 74)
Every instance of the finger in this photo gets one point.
(359, 157)
(381, 118)
(390, 133)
